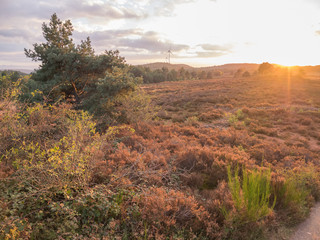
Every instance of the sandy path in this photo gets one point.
(310, 228)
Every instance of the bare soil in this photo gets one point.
(310, 228)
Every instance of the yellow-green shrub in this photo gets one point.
(251, 195)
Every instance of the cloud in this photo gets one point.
(10, 47)
(21, 20)
(15, 33)
(213, 50)
(314, 2)
(120, 24)
(99, 11)
(135, 40)
(212, 47)
(152, 44)
(210, 54)
(165, 7)
(100, 36)
(16, 59)
(106, 11)
(27, 9)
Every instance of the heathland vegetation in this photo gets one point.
(89, 152)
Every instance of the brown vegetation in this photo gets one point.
(165, 178)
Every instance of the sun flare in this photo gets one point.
(282, 32)
(199, 32)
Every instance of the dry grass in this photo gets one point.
(173, 171)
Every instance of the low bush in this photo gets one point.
(251, 195)
(296, 191)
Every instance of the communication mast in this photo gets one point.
(169, 55)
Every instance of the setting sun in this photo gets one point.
(283, 32)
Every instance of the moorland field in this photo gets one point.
(92, 148)
(168, 177)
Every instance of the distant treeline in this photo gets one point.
(265, 69)
(164, 74)
(14, 75)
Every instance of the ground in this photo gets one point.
(309, 229)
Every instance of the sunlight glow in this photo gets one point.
(198, 32)
(282, 32)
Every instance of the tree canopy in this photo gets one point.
(68, 70)
(265, 68)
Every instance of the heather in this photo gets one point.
(94, 154)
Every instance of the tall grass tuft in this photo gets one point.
(251, 196)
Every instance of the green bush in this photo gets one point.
(67, 161)
(235, 118)
(251, 196)
(114, 96)
(290, 194)
(73, 73)
(91, 213)
(296, 192)
(10, 86)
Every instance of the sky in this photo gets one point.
(198, 32)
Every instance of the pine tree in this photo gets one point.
(66, 69)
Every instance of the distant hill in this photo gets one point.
(10, 71)
(232, 67)
(315, 69)
(159, 65)
(251, 67)
(20, 70)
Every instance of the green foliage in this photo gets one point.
(136, 107)
(163, 74)
(67, 69)
(97, 83)
(66, 162)
(115, 97)
(11, 84)
(50, 170)
(14, 75)
(251, 196)
(236, 117)
(100, 209)
(294, 192)
(291, 194)
(58, 213)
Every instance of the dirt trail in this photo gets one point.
(310, 228)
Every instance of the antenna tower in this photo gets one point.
(169, 55)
